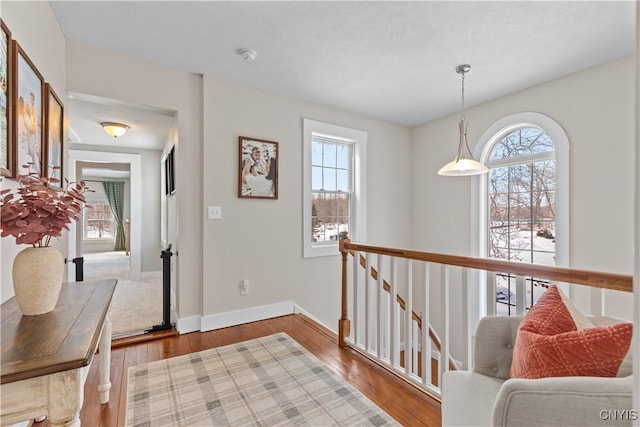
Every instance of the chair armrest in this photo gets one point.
(493, 345)
(565, 401)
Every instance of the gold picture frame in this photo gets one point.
(53, 135)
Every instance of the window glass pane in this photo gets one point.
(537, 141)
(498, 207)
(316, 178)
(499, 180)
(342, 204)
(330, 216)
(343, 156)
(329, 156)
(547, 257)
(329, 177)
(344, 181)
(520, 256)
(521, 142)
(316, 153)
(519, 178)
(317, 227)
(545, 174)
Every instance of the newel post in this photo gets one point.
(344, 324)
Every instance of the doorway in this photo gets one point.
(133, 162)
(137, 303)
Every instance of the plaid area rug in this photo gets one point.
(266, 381)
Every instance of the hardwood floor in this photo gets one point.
(402, 401)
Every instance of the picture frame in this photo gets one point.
(258, 168)
(28, 113)
(53, 135)
(6, 110)
(169, 173)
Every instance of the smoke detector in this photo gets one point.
(247, 54)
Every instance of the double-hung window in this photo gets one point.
(333, 186)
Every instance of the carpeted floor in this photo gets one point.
(136, 305)
(267, 381)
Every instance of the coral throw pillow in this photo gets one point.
(548, 343)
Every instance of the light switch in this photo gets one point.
(215, 212)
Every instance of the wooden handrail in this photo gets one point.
(617, 282)
(415, 316)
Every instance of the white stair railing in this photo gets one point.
(379, 323)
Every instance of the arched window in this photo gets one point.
(523, 201)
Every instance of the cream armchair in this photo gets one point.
(486, 396)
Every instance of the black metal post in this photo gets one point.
(166, 292)
(79, 262)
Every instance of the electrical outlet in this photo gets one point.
(244, 288)
(215, 212)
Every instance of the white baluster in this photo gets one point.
(355, 324)
(378, 296)
(408, 322)
(426, 322)
(444, 303)
(394, 313)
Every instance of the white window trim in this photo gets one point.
(479, 205)
(358, 221)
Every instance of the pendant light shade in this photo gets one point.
(114, 129)
(463, 164)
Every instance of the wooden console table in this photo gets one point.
(46, 358)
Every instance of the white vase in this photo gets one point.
(37, 279)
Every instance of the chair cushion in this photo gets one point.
(548, 343)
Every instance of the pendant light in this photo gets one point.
(464, 164)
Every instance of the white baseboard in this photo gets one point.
(252, 314)
(188, 324)
(300, 310)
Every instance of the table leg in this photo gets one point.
(65, 396)
(105, 361)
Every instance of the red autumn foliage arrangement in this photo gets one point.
(37, 211)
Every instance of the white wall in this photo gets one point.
(596, 109)
(45, 45)
(261, 240)
(105, 73)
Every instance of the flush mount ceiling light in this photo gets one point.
(114, 129)
(464, 164)
(247, 54)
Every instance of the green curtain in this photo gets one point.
(115, 195)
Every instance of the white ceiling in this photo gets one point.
(392, 60)
(148, 126)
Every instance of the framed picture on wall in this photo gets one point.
(53, 126)
(28, 106)
(6, 152)
(258, 168)
(169, 173)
